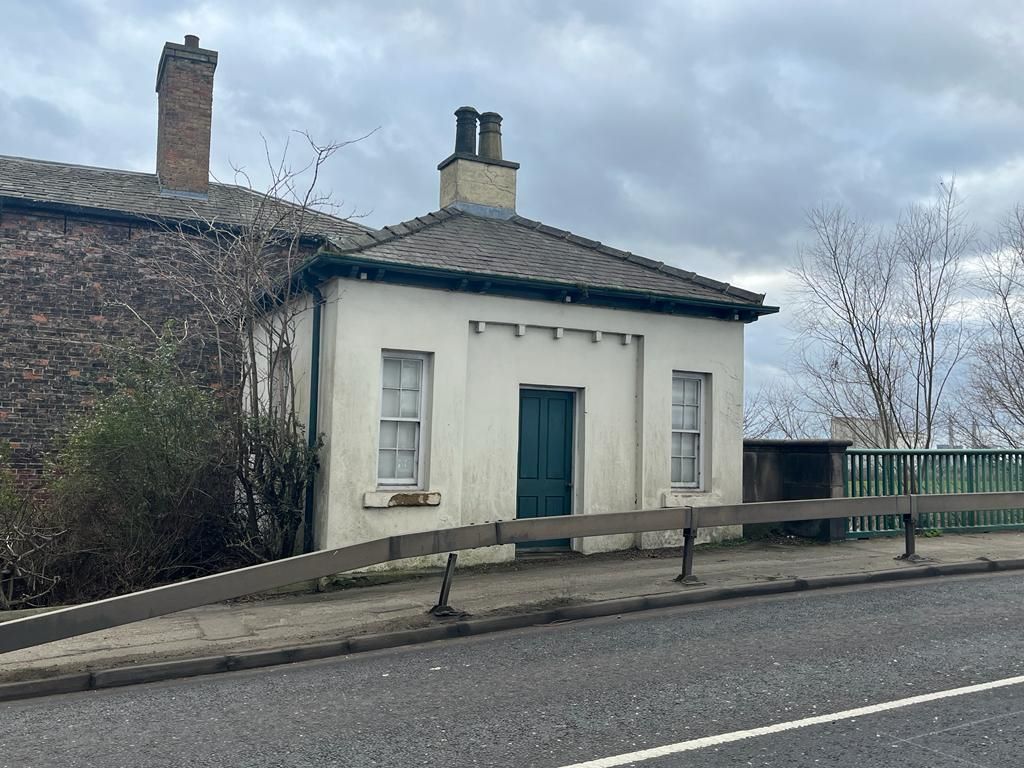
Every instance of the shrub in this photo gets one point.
(145, 480)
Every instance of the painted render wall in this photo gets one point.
(623, 419)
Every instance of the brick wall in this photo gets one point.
(65, 282)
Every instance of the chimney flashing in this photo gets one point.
(487, 211)
(183, 193)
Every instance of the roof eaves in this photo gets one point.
(327, 259)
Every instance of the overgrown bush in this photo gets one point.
(144, 481)
(31, 546)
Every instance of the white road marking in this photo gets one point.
(767, 730)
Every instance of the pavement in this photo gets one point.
(734, 684)
(509, 589)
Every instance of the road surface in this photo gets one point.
(648, 689)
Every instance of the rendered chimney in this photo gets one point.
(478, 182)
(184, 84)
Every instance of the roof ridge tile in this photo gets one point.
(584, 241)
(397, 230)
(553, 231)
(644, 261)
(710, 282)
(525, 222)
(678, 272)
(612, 251)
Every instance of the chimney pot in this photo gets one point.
(465, 130)
(191, 41)
(490, 136)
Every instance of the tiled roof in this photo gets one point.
(519, 248)
(129, 192)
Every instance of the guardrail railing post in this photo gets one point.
(442, 609)
(689, 540)
(909, 504)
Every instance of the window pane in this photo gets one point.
(392, 373)
(389, 403)
(677, 444)
(677, 390)
(407, 435)
(692, 391)
(690, 417)
(385, 464)
(677, 417)
(389, 434)
(411, 370)
(406, 466)
(410, 404)
(677, 470)
(689, 474)
(689, 444)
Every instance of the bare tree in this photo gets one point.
(881, 319)
(992, 405)
(241, 278)
(778, 411)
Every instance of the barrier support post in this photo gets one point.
(442, 610)
(689, 539)
(909, 534)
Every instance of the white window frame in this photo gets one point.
(702, 380)
(418, 479)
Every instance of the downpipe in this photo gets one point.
(312, 427)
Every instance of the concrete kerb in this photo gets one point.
(168, 670)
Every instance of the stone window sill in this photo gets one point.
(400, 498)
(680, 497)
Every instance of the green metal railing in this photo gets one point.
(889, 472)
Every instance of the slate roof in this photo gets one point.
(128, 192)
(519, 248)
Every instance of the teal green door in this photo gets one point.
(545, 459)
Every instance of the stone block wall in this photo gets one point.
(788, 470)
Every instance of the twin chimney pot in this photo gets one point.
(475, 177)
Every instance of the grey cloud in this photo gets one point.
(701, 132)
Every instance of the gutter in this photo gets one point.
(312, 425)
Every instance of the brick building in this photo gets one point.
(75, 243)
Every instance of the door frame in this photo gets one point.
(578, 433)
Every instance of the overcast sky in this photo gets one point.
(698, 133)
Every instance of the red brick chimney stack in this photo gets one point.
(184, 84)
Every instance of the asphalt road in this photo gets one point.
(561, 696)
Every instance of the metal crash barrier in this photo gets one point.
(137, 606)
